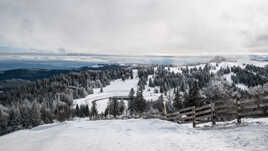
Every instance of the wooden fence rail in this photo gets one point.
(219, 111)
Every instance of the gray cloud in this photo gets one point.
(136, 26)
(262, 38)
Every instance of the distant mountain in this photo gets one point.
(30, 74)
(48, 64)
(218, 59)
(258, 58)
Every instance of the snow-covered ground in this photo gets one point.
(116, 88)
(139, 135)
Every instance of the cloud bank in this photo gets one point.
(136, 26)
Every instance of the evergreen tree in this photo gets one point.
(193, 97)
(63, 112)
(140, 101)
(177, 102)
(26, 114)
(158, 104)
(131, 74)
(151, 83)
(77, 111)
(106, 112)
(94, 111)
(122, 107)
(46, 114)
(4, 116)
(101, 90)
(86, 110)
(113, 107)
(14, 118)
(35, 114)
(182, 87)
(161, 89)
(132, 102)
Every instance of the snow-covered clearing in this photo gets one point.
(116, 88)
(139, 135)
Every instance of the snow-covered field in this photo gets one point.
(139, 135)
(116, 88)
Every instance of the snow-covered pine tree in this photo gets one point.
(4, 117)
(131, 102)
(101, 90)
(121, 107)
(177, 102)
(193, 96)
(114, 108)
(35, 114)
(140, 101)
(77, 111)
(94, 110)
(151, 84)
(14, 118)
(46, 114)
(158, 104)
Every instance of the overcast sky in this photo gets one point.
(135, 26)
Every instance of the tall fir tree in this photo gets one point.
(35, 114)
(177, 102)
(113, 107)
(77, 111)
(140, 101)
(132, 102)
(94, 110)
(193, 96)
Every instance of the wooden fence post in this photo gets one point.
(238, 105)
(194, 124)
(265, 110)
(165, 109)
(213, 118)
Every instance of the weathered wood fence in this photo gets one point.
(213, 112)
(217, 111)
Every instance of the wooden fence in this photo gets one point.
(218, 111)
(196, 115)
(213, 112)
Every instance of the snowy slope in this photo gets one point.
(149, 93)
(116, 88)
(138, 135)
(217, 66)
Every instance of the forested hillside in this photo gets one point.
(46, 100)
(10, 79)
(181, 87)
